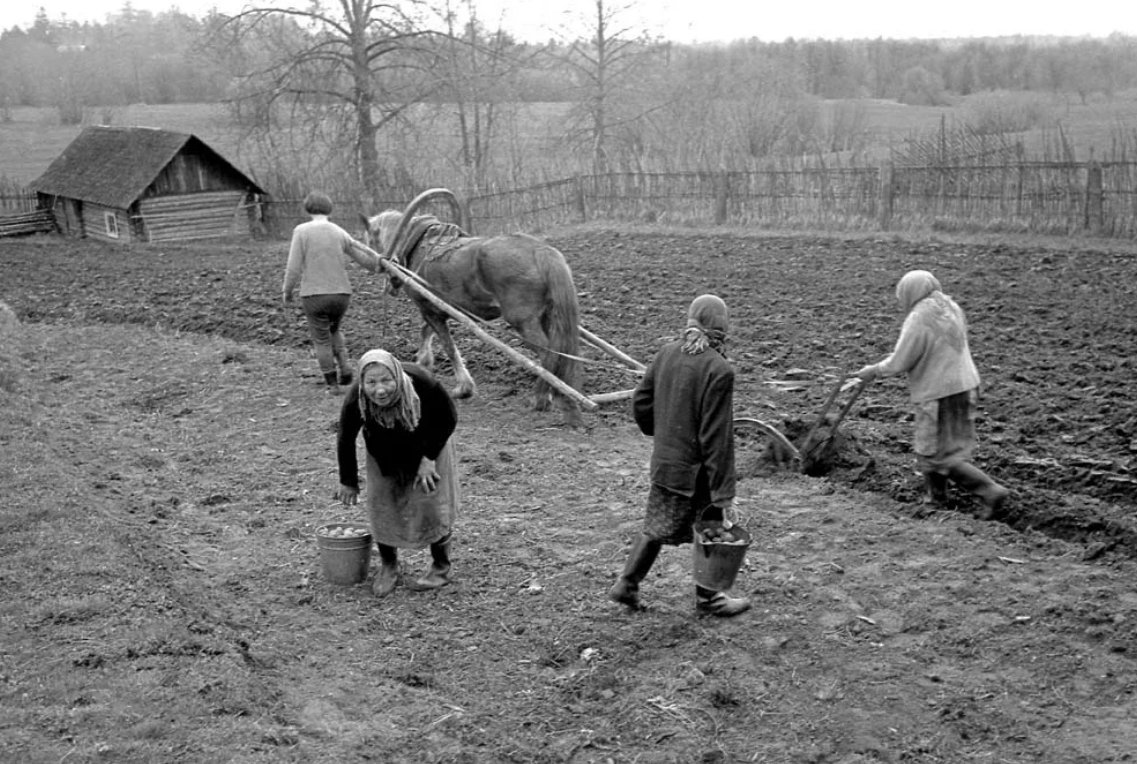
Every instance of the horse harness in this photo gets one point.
(430, 235)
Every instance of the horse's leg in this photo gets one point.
(425, 355)
(464, 386)
(543, 392)
(531, 329)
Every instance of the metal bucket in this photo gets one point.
(345, 552)
(717, 562)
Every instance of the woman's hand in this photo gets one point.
(868, 373)
(427, 476)
(347, 495)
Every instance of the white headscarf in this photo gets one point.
(405, 409)
(915, 286)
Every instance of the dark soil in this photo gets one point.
(166, 456)
(1053, 332)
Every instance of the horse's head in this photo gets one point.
(378, 230)
(377, 233)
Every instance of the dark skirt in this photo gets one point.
(670, 515)
(945, 432)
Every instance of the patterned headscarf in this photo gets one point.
(405, 409)
(915, 286)
(707, 325)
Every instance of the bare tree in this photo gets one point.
(342, 69)
(479, 67)
(608, 64)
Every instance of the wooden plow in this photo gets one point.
(818, 446)
(411, 280)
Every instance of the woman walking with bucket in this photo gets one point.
(407, 419)
(685, 402)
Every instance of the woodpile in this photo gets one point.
(38, 221)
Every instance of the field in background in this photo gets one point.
(34, 137)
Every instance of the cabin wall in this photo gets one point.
(189, 173)
(195, 216)
(105, 223)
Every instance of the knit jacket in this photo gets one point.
(686, 404)
(317, 259)
(933, 350)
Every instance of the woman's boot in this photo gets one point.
(439, 573)
(388, 574)
(720, 604)
(936, 485)
(976, 481)
(640, 559)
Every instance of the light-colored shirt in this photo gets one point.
(317, 259)
(933, 351)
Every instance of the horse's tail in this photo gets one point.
(561, 321)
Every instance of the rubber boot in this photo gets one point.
(439, 573)
(388, 574)
(976, 481)
(936, 485)
(719, 604)
(642, 556)
(332, 380)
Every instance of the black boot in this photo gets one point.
(720, 604)
(976, 481)
(439, 573)
(332, 381)
(936, 485)
(642, 556)
(388, 574)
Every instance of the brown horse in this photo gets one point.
(514, 277)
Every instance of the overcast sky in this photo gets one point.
(711, 20)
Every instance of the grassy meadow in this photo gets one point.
(531, 135)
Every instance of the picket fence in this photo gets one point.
(1047, 198)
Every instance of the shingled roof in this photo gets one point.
(114, 165)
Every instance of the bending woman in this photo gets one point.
(407, 419)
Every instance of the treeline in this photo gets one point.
(170, 57)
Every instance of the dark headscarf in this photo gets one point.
(707, 324)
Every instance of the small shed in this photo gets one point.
(125, 184)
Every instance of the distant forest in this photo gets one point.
(166, 58)
(365, 97)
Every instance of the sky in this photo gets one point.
(715, 20)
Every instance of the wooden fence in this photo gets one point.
(1094, 198)
(1026, 197)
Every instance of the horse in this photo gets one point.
(515, 277)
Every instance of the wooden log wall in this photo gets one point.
(194, 216)
(38, 221)
(106, 223)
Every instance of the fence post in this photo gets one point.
(1094, 217)
(886, 195)
(578, 190)
(721, 183)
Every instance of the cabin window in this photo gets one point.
(110, 222)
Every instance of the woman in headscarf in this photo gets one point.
(407, 419)
(943, 385)
(685, 402)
